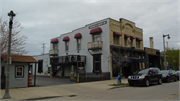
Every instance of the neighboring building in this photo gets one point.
(19, 71)
(152, 56)
(95, 45)
(43, 65)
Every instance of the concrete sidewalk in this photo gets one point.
(58, 90)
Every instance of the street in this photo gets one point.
(99, 90)
(166, 91)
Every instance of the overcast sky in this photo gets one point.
(45, 19)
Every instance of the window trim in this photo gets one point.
(22, 66)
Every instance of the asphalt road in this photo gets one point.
(163, 92)
(48, 81)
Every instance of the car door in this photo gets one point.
(151, 75)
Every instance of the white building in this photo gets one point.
(92, 44)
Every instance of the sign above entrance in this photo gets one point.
(80, 66)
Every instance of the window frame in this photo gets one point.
(78, 43)
(99, 34)
(125, 41)
(22, 75)
(116, 39)
(137, 44)
(66, 45)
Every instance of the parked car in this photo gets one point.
(145, 77)
(168, 75)
(177, 74)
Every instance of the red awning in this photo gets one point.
(131, 37)
(66, 38)
(115, 33)
(54, 40)
(78, 35)
(95, 30)
(138, 39)
(127, 36)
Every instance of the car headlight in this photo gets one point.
(142, 77)
(129, 77)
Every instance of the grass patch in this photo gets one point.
(121, 84)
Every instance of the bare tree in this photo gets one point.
(17, 40)
(120, 57)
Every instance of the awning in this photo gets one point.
(127, 36)
(138, 39)
(66, 38)
(115, 33)
(95, 30)
(54, 40)
(78, 35)
(131, 37)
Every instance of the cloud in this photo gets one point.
(45, 19)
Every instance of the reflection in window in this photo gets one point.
(19, 72)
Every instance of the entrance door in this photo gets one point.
(3, 77)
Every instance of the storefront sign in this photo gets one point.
(98, 24)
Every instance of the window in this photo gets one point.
(67, 45)
(19, 72)
(55, 46)
(97, 63)
(116, 39)
(137, 44)
(125, 41)
(97, 37)
(78, 44)
(131, 42)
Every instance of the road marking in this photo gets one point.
(172, 96)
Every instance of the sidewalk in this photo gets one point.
(58, 90)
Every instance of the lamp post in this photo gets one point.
(165, 63)
(11, 14)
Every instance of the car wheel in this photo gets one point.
(159, 81)
(147, 83)
(168, 80)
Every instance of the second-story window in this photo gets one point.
(67, 45)
(131, 42)
(55, 46)
(78, 44)
(125, 41)
(116, 39)
(137, 44)
(97, 37)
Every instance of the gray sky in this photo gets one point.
(46, 19)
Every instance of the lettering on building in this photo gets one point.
(97, 24)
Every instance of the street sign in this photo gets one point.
(80, 66)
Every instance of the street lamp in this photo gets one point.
(165, 63)
(6, 95)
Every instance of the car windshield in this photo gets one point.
(144, 71)
(164, 72)
(177, 71)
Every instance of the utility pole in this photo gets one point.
(43, 47)
(167, 44)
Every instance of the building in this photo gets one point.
(19, 71)
(43, 65)
(104, 46)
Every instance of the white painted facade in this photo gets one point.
(46, 63)
(86, 37)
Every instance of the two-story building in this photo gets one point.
(104, 46)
